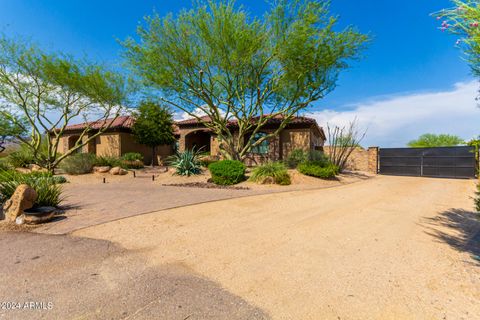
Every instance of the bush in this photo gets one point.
(48, 190)
(275, 171)
(227, 172)
(79, 163)
(137, 164)
(21, 158)
(318, 170)
(5, 165)
(186, 163)
(132, 156)
(296, 157)
(106, 162)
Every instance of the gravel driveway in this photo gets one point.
(383, 248)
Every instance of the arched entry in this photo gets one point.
(199, 139)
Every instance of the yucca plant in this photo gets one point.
(274, 171)
(47, 187)
(187, 163)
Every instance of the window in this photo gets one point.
(263, 147)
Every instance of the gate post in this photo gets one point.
(373, 160)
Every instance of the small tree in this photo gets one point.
(9, 130)
(342, 142)
(153, 126)
(430, 140)
(50, 91)
(217, 60)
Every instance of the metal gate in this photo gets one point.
(445, 162)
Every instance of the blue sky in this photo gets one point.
(408, 56)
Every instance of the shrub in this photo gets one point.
(296, 157)
(5, 165)
(79, 163)
(316, 169)
(48, 190)
(137, 164)
(186, 163)
(21, 158)
(103, 161)
(132, 156)
(208, 160)
(227, 172)
(275, 171)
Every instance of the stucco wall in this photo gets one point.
(108, 145)
(128, 144)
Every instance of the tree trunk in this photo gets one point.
(153, 156)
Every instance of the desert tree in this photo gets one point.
(241, 71)
(430, 140)
(153, 125)
(342, 141)
(51, 91)
(463, 20)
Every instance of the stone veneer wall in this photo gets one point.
(361, 159)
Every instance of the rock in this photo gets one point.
(103, 169)
(20, 220)
(118, 171)
(36, 167)
(23, 198)
(39, 215)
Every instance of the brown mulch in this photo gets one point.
(12, 226)
(207, 185)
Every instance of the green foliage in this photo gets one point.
(476, 200)
(274, 171)
(153, 125)
(186, 163)
(5, 164)
(51, 90)
(230, 64)
(227, 172)
(296, 157)
(104, 161)
(429, 140)
(9, 130)
(22, 157)
(132, 156)
(318, 169)
(47, 187)
(79, 163)
(59, 179)
(463, 21)
(207, 160)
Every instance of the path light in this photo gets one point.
(104, 179)
(153, 177)
(134, 175)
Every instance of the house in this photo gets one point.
(117, 140)
(301, 133)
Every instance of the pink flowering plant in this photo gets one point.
(463, 20)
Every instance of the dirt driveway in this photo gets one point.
(384, 248)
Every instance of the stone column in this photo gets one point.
(373, 160)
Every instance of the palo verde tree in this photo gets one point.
(463, 20)
(430, 140)
(153, 125)
(219, 61)
(52, 90)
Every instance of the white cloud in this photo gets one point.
(395, 120)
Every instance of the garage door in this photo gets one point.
(447, 162)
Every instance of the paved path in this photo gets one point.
(96, 203)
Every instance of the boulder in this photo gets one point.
(102, 169)
(23, 198)
(36, 167)
(118, 171)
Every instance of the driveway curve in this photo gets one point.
(384, 248)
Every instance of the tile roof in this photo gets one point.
(121, 122)
(276, 119)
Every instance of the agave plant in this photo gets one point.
(187, 163)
